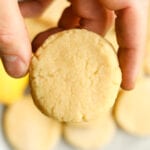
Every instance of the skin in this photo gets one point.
(130, 17)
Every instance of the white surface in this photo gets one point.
(121, 141)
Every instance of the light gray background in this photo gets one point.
(121, 141)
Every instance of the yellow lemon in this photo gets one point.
(11, 89)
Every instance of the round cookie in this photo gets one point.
(26, 128)
(90, 137)
(132, 109)
(75, 76)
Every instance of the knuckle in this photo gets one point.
(6, 39)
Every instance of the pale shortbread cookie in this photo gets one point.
(132, 109)
(75, 76)
(90, 137)
(26, 128)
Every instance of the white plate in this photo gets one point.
(121, 141)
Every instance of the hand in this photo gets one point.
(15, 47)
(130, 18)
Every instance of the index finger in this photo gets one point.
(131, 33)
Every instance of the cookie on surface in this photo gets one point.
(75, 76)
(90, 137)
(132, 109)
(26, 128)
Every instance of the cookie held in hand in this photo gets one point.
(75, 76)
(26, 128)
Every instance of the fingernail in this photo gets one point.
(14, 66)
(128, 86)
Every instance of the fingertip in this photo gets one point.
(14, 66)
(128, 76)
(129, 62)
(127, 85)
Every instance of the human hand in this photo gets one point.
(130, 18)
(15, 47)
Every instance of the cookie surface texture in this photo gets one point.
(75, 76)
(26, 128)
(132, 109)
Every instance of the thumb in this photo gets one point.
(15, 49)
